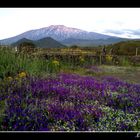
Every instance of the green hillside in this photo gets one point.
(125, 47)
(47, 42)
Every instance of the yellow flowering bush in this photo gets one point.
(81, 59)
(9, 78)
(109, 58)
(22, 74)
(54, 66)
(85, 52)
(64, 51)
(55, 62)
(17, 78)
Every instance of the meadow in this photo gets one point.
(68, 94)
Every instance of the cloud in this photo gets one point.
(135, 32)
(128, 33)
(116, 21)
(118, 32)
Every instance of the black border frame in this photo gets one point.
(69, 4)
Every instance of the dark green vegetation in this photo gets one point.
(47, 42)
(126, 47)
(22, 41)
(68, 89)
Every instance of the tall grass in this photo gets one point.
(124, 61)
(11, 63)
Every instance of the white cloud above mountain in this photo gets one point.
(128, 33)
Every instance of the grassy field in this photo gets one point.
(38, 94)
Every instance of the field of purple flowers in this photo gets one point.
(69, 102)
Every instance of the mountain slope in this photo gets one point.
(57, 32)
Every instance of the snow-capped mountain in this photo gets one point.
(57, 32)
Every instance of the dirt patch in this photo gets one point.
(130, 74)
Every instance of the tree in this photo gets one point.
(74, 46)
(26, 47)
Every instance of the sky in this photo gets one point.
(121, 22)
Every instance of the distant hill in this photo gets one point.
(126, 47)
(47, 42)
(95, 42)
(129, 43)
(78, 42)
(21, 41)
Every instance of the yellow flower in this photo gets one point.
(17, 78)
(81, 59)
(84, 52)
(55, 62)
(9, 78)
(109, 58)
(22, 74)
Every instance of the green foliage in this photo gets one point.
(54, 66)
(11, 63)
(27, 44)
(2, 109)
(26, 47)
(125, 62)
(74, 46)
(125, 48)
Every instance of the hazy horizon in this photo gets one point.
(120, 22)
